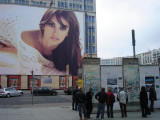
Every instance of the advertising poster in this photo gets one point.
(40, 39)
(47, 80)
(61, 81)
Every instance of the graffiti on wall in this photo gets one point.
(131, 77)
(92, 78)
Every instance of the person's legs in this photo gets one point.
(80, 109)
(108, 111)
(111, 108)
(121, 107)
(73, 102)
(125, 111)
(143, 112)
(103, 108)
(98, 110)
(76, 105)
(84, 110)
(151, 106)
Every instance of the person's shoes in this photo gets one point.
(144, 116)
(72, 108)
(85, 118)
(80, 118)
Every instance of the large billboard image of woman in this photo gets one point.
(40, 40)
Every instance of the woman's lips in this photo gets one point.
(54, 38)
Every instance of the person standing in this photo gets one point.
(123, 99)
(81, 98)
(74, 102)
(89, 105)
(143, 101)
(102, 98)
(110, 102)
(152, 97)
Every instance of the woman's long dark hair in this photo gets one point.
(69, 51)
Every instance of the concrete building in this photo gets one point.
(147, 58)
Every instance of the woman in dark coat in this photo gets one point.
(143, 101)
(89, 105)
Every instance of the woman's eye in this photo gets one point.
(63, 28)
(51, 24)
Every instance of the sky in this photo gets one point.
(117, 18)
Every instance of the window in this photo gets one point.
(70, 5)
(86, 18)
(74, 5)
(93, 39)
(38, 4)
(66, 5)
(16, 1)
(94, 50)
(34, 3)
(86, 29)
(44, 4)
(23, 2)
(93, 19)
(89, 18)
(86, 48)
(27, 2)
(80, 7)
(59, 4)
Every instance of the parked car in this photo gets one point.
(68, 91)
(10, 91)
(44, 91)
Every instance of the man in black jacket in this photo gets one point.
(102, 99)
(81, 98)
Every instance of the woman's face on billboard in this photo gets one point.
(54, 33)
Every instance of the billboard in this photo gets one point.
(41, 40)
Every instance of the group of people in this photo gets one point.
(108, 99)
(146, 110)
(83, 102)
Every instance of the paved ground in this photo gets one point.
(60, 112)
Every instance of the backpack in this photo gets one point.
(112, 98)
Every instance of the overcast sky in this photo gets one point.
(116, 19)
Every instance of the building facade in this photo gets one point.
(147, 58)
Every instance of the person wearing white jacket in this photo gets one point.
(123, 99)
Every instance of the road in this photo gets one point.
(26, 99)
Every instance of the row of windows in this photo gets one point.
(90, 19)
(74, 6)
(24, 2)
(90, 38)
(93, 49)
(42, 4)
(5, 1)
(89, 1)
(88, 7)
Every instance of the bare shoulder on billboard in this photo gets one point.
(48, 48)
